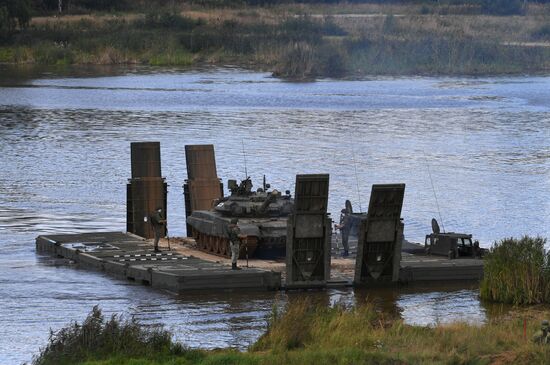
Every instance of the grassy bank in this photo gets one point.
(296, 41)
(308, 334)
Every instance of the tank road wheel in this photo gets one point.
(202, 240)
(210, 244)
(216, 245)
(223, 249)
(226, 250)
(198, 240)
(248, 244)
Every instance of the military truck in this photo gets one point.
(451, 244)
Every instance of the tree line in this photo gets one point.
(17, 13)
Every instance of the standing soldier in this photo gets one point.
(345, 228)
(234, 236)
(158, 221)
(542, 336)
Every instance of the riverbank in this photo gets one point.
(310, 334)
(296, 41)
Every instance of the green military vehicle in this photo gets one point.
(451, 244)
(262, 218)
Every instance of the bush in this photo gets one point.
(542, 33)
(517, 272)
(331, 60)
(424, 10)
(170, 20)
(296, 61)
(502, 7)
(96, 338)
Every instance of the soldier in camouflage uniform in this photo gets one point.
(345, 228)
(234, 236)
(542, 336)
(157, 221)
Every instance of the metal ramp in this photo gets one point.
(146, 190)
(380, 236)
(202, 186)
(309, 234)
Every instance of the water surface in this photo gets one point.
(65, 160)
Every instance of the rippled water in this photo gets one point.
(64, 157)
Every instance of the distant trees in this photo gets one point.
(63, 6)
(103, 4)
(14, 13)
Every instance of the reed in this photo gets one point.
(517, 271)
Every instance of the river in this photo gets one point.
(483, 143)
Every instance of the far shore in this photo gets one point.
(295, 42)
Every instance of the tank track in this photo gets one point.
(220, 245)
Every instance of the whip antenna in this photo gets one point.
(244, 156)
(356, 177)
(433, 189)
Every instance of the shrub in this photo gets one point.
(424, 10)
(97, 338)
(331, 60)
(389, 25)
(542, 33)
(517, 272)
(296, 61)
(170, 20)
(502, 7)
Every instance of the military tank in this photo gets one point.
(262, 218)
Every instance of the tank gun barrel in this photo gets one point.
(270, 199)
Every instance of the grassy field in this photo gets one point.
(309, 334)
(296, 41)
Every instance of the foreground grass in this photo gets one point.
(308, 334)
(296, 41)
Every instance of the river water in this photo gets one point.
(64, 158)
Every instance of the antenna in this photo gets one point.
(433, 189)
(356, 177)
(244, 156)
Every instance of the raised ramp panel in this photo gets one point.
(201, 162)
(203, 186)
(309, 234)
(145, 158)
(147, 195)
(379, 242)
(146, 190)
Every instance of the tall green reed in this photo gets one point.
(517, 271)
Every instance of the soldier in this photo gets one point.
(344, 227)
(157, 221)
(542, 336)
(234, 236)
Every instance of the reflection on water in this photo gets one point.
(64, 154)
